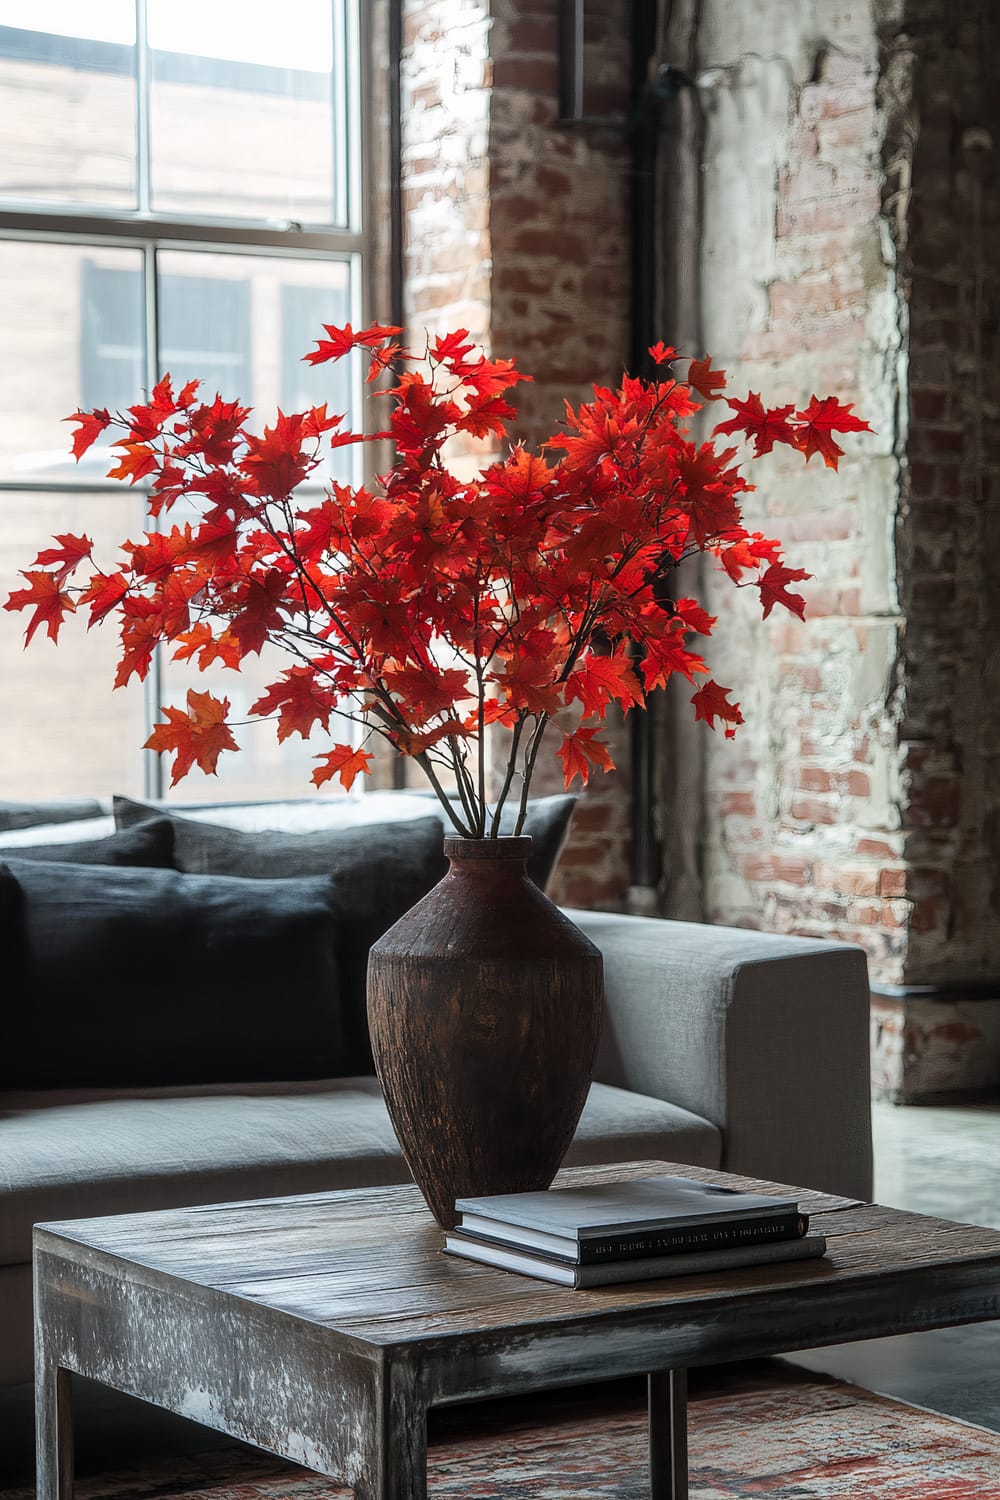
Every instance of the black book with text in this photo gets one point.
(618, 1272)
(636, 1244)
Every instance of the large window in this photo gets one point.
(179, 191)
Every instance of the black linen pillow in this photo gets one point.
(378, 871)
(150, 977)
(150, 844)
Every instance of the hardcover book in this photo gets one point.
(616, 1272)
(634, 1244)
(608, 1208)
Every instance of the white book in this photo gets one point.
(608, 1273)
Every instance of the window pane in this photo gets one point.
(68, 102)
(262, 768)
(242, 110)
(242, 323)
(70, 335)
(65, 730)
(287, 303)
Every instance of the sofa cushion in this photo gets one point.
(80, 1155)
(378, 872)
(547, 819)
(150, 844)
(37, 834)
(28, 814)
(138, 976)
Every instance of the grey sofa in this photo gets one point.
(722, 1048)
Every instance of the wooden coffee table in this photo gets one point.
(324, 1327)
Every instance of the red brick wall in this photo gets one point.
(559, 232)
(517, 229)
(950, 571)
(849, 244)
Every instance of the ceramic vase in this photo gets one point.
(484, 1007)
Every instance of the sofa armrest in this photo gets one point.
(767, 1036)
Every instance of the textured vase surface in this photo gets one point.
(484, 1008)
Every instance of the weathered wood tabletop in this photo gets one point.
(323, 1327)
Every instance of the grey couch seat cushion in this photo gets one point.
(80, 1156)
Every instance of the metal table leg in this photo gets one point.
(668, 1450)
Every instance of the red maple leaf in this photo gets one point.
(316, 421)
(667, 655)
(214, 432)
(104, 593)
(196, 736)
(580, 751)
(451, 349)
(343, 761)
(154, 558)
(92, 424)
(600, 680)
(140, 634)
(342, 340)
(488, 377)
(706, 381)
(819, 421)
(201, 641)
(300, 701)
(50, 604)
(528, 683)
(277, 462)
(423, 693)
(661, 354)
(148, 419)
(252, 624)
(67, 556)
(773, 591)
(765, 426)
(708, 490)
(135, 461)
(710, 703)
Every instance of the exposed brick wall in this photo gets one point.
(445, 80)
(803, 808)
(517, 229)
(559, 232)
(850, 241)
(863, 800)
(949, 233)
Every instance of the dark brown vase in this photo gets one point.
(484, 1007)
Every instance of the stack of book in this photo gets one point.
(630, 1231)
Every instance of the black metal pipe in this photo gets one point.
(645, 123)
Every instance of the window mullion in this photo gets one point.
(153, 699)
(143, 155)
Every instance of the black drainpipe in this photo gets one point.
(396, 268)
(645, 121)
(666, 157)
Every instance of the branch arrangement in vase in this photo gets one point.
(428, 607)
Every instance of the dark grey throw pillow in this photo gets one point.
(31, 814)
(150, 844)
(547, 821)
(143, 977)
(378, 871)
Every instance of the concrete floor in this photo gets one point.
(946, 1162)
(942, 1161)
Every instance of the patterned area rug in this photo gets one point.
(764, 1431)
